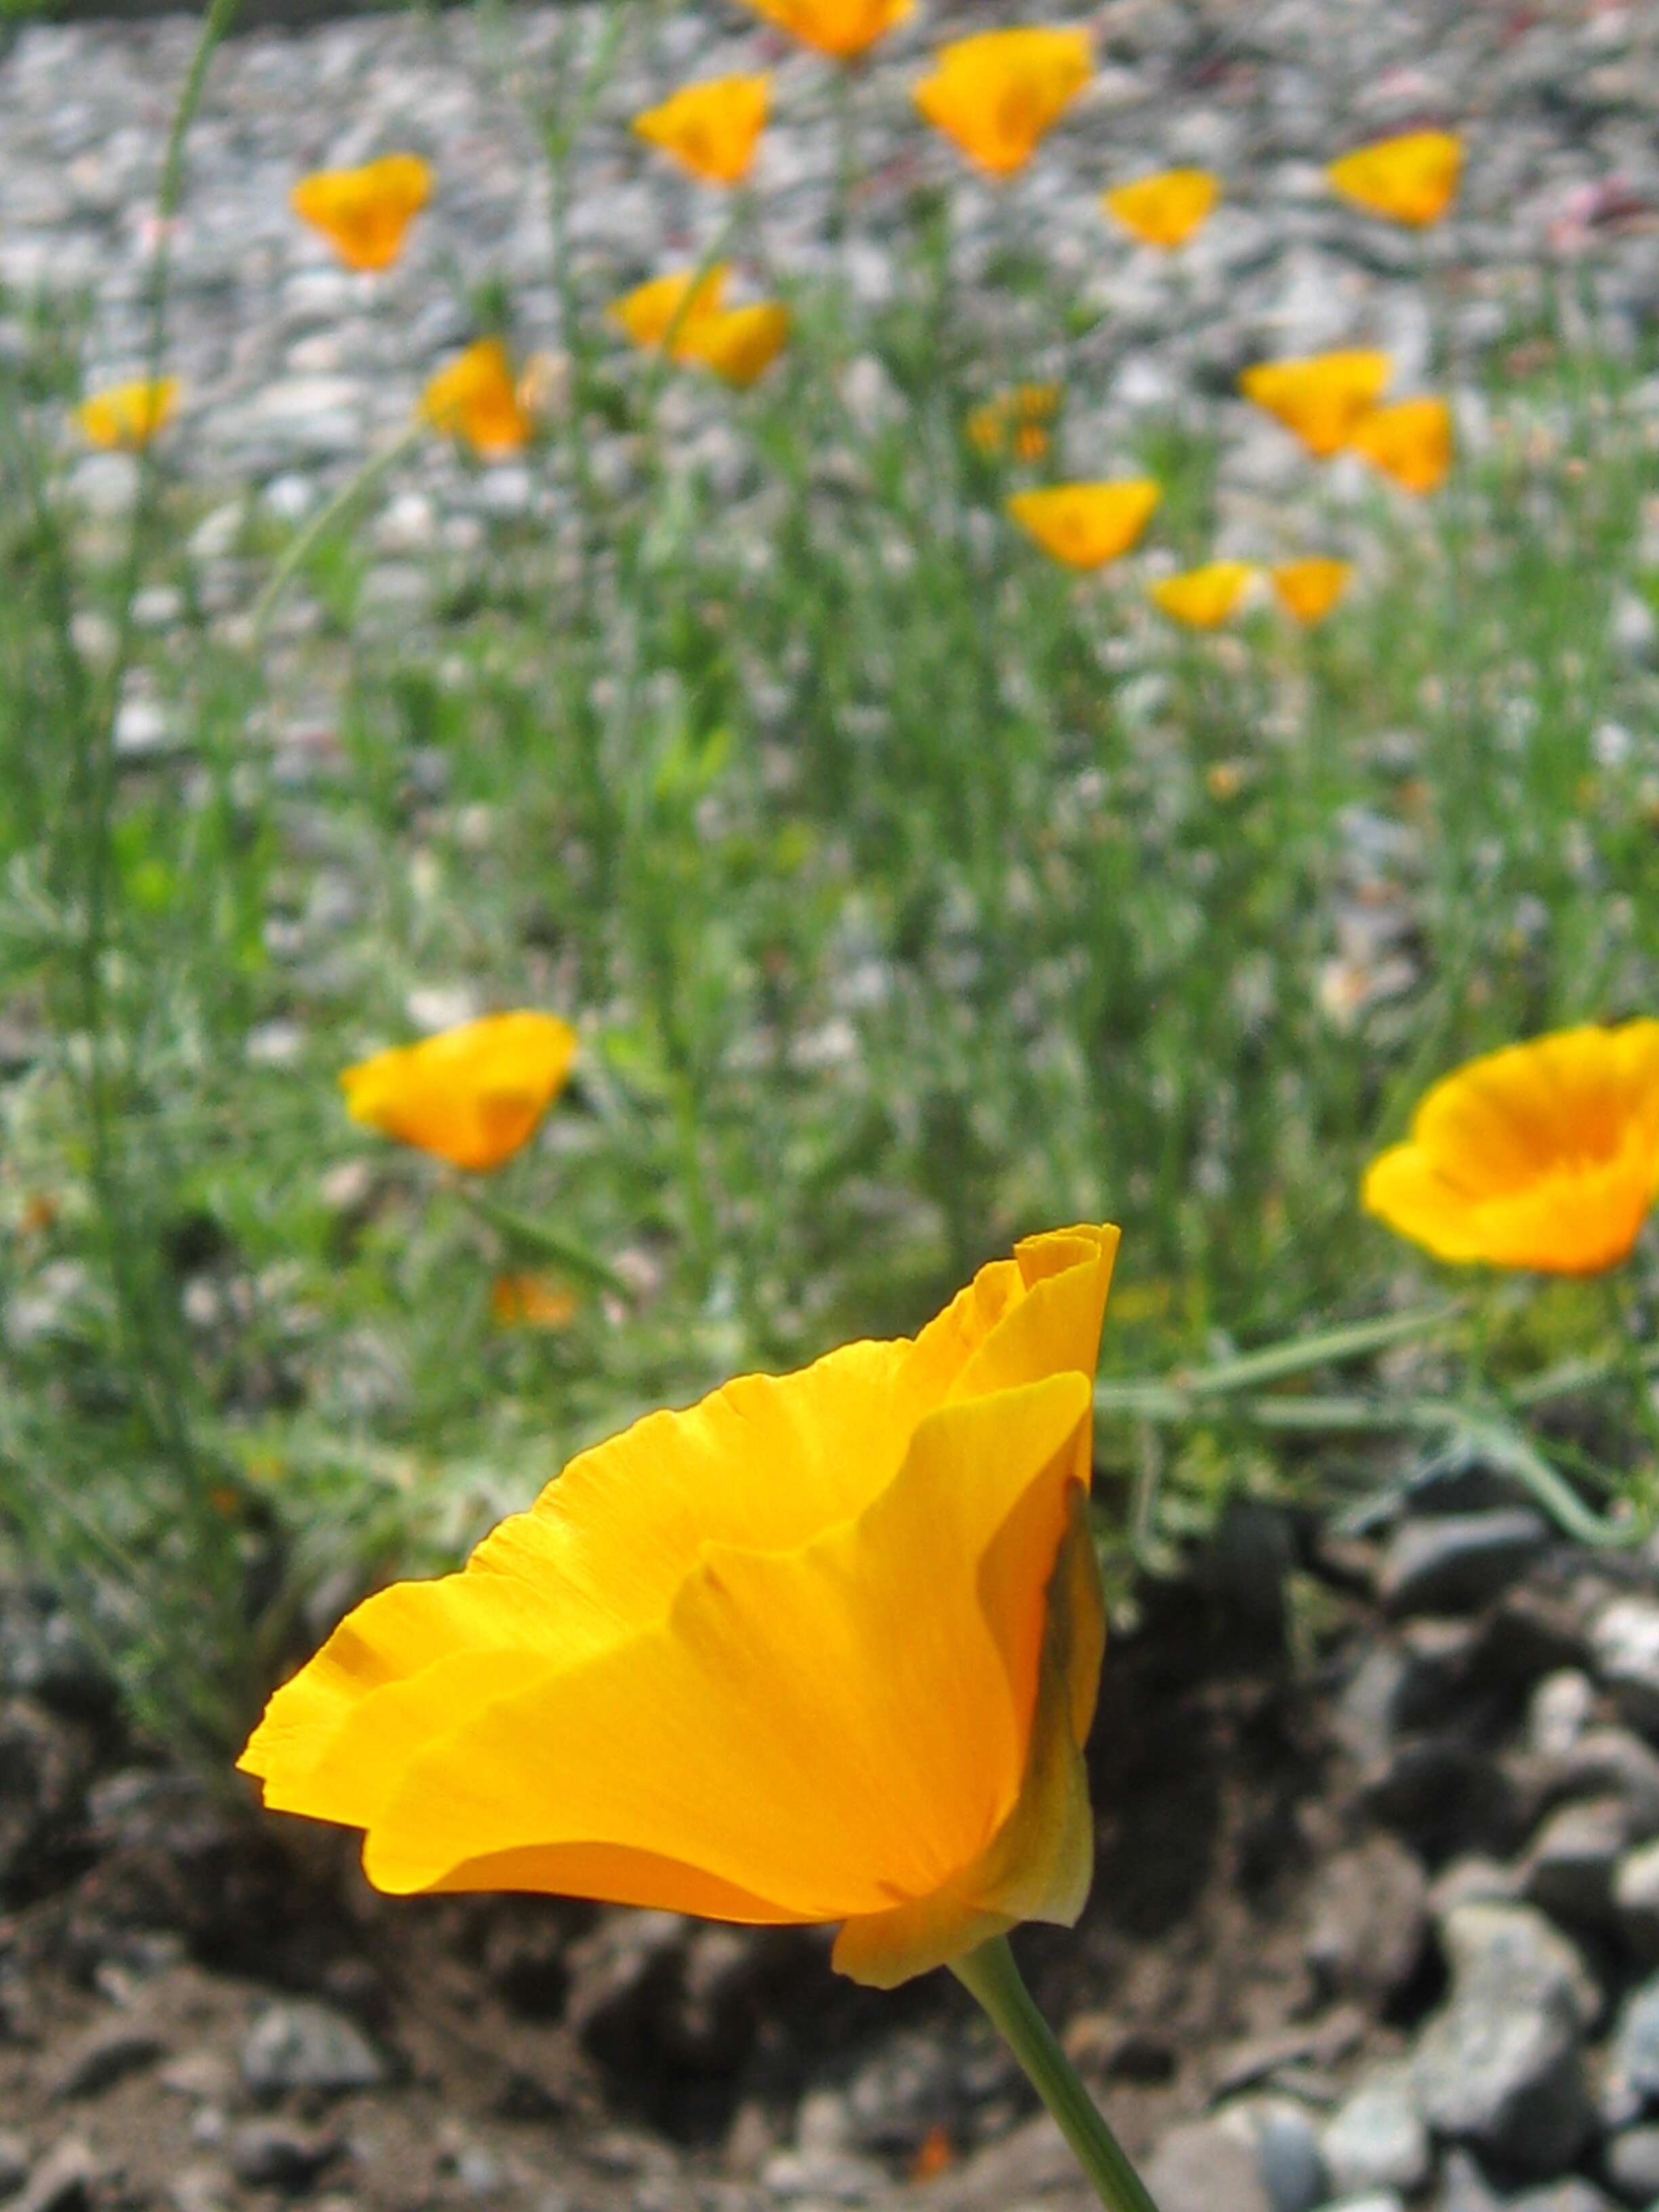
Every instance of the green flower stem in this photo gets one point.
(327, 519)
(549, 1244)
(990, 1975)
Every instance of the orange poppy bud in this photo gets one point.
(1086, 524)
(711, 129)
(1202, 598)
(472, 1095)
(740, 344)
(841, 28)
(364, 213)
(1310, 589)
(1410, 441)
(1412, 179)
(128, 416)
(1164, 211)
(477, 399)
(998, 94)
(1322, 396)
(652, 310)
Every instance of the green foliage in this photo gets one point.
(911, 895)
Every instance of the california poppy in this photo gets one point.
(740, 344)
(1322, 396)
(128, 415)
(1017, 419)
(678, 302)
(1543, 1155)
(364, 213)
(711, 128)
(477, 398)
(823, 1648)
(1086, 524)
(1410, 441)
(1202, 598)
(1310, 589)
(472, 1095)
(1411, 178)
(531, 1302)
(999, 93)
(841, 28)
(1165, 209)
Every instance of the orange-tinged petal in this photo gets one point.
(679, 303)
(998, 94)
(364, 213)
(531, 1302)
(1544, 1155)
(1203, 599)
(128, 416)
(1164, 211)
(740, 344)
(478, 399)
(711, 128)
(715, 1621)
(1086, 524)
(472, 1095)
(1321, 397)
(1412, 179)
(867, 1746)
(840, 29)
(1410, 441)
(1310, 589)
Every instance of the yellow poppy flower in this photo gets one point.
(1202, 598)
(477, 399)
(1019, 418)
(472, 1094)
(365, 214)
(1412, 179)
(1086, 524)
(1410, 441)
(530, 1302)
(823, 1648)
(128, 415)
(711, 129)
(998, 93)
(1310, 589)
(1544, 1155)
(841, 28)
(650, 311)
(1321, 395)
(739, 343)
(1164, 211)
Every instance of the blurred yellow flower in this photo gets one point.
(823, 1648)
(477, 399)
(841, 28)
(472, 1094)
(1019, 418)
(998, 93)
(1412, 179)
(739, 343)
(711, 128)
(128, 415)
(1202, 598)
(1086, 524)
(364, 213)
(531, 1302)
(1320, 396)
(1164, 211)
(650, 311)
(1544, 1155)
(1410, 441)
(1310, 589)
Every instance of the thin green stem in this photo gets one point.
(990, 1975)
(327, 519)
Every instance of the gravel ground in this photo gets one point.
(293, 367)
